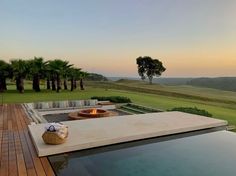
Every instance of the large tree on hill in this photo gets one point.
(5, 72)
(149, 67)
(20, 69)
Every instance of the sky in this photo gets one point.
(193, 38)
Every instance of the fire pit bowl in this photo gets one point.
(93, 113)
(90, 113)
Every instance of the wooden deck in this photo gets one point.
(17, 152)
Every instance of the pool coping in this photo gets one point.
(85, 134)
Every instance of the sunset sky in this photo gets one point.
(191, 37)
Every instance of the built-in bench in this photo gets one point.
(35, 111)
(58, 105)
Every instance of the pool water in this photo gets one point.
(206, 154)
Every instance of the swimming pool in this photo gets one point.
(205, 154)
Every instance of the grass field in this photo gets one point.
(221, 104)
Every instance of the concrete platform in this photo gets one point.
(84, 134)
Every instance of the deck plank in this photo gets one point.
(28, 160)
(1, 133)
(17, 153)
(4, 145)
(47, 167)
(42, 164)
(18, 147)
(12, 165)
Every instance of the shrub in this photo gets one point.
(114, 99)
(191, 110)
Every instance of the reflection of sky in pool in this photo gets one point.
(201, 155)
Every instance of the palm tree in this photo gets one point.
(65, 74)
(82, 76)
(56, 67)
(48, 75)
(73, 74)
(52, 68)
(20, 69)
(5, 71)
(37, 70)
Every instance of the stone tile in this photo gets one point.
(84, 134)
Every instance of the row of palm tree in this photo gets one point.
(36, 69)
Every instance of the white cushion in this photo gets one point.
(45, 105)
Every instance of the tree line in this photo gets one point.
(36, 69)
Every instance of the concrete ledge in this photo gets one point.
(91, 133)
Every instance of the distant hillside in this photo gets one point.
(223, 83)
(165, 81)
(172, 81)
(96, 77)
(118, 78)
(129, 81)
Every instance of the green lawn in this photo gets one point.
(219, 109)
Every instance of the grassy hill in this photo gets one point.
(222, 104)
(172, 81)
(188, 92)
(223, 83)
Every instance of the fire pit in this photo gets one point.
(90, 113)
(93, 113)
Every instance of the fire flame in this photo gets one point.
(94, 111)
